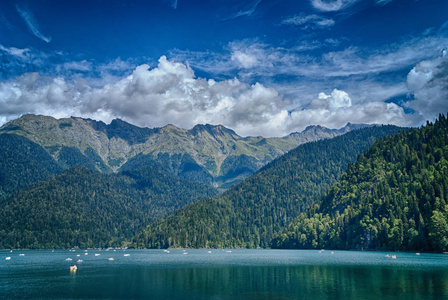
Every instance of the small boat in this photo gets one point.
(209, 251)
(127, 255)
(79, 261)
(73, 268)
(78, 255)
(68, 259)
(111, 258)
(8, 258)
(21, 254)
(417, 253)
(97, 254)
(394, 256)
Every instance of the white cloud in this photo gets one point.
(32, 24)
(82, 66)
(336, 109)
(383, 2)
(332, 5)
(170, 93)
(245, 60)
(428, 81)
(336, 99)
(19, 53)
(309, 21)
(248, 11)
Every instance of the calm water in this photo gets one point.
(239, 274)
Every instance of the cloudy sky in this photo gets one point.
(260, 67)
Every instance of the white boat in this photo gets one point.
(68, 259)
(97, 254)
(8, 258)
(127, 255)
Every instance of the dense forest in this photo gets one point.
(85, 208)
(22, 163)
(394, 197)
(250, 213)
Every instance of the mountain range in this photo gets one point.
(213, 155)
(376, 187)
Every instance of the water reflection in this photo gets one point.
(279, 282)
(237, 275)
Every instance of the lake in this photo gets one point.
(222, 274)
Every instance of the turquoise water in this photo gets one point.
(239, 274)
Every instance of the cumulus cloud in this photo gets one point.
(308, 21)
(336, 99)
(428, 82)
(32, 24)
(171, 93)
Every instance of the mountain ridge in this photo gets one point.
(212, 148)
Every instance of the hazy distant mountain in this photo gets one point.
(210, 154)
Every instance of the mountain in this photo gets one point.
(22, 163)
(394, 197)
(209, 154)
(251, 212)
(85, 208)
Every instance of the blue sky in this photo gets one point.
(259, 67)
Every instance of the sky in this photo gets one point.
(259, 67)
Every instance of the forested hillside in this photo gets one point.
(393, 198)
(85, 208)
(23, 162)
(250, 213)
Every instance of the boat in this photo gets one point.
(68, 259)
(79, 261)
(111, 258)
(127, 255)
(8, 258)
(97, 254)
(73, 268)
(21, 254)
